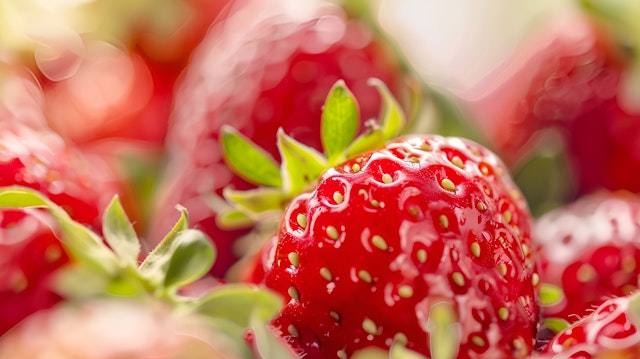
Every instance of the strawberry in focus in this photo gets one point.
(260, 70)
(588, 251)
(424, 244)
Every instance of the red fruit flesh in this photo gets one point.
(590, 249)
(260, 70)
(362, 260)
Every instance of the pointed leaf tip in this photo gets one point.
(392, 117)
(301, 164)
(339, 122)
(119, 233)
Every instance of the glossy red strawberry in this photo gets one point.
(392, 241)
(566, 80)
(260, 70)
(30, 251)
(611, 331)
(589, 251)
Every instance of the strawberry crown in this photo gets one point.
(109, 266)
(302, 165)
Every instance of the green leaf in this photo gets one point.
(392, 118)
(248, 160)
(192, 256)
(256, 201)
(119, 233)
(85, 245)
(366, 142)
(233, 219)
(550, 294)
(444, 338)
(340, 121)
(301, 164)
(238, 303)
(556, 325)
(268, 344)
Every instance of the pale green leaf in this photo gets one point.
(392, 118)
(85, 245)
(256, 201)
(301, 164)
(238, 302)
(340, 121)
(234, 219)
(119, 233)
(248, 160)
(192, 256)
(366, 142)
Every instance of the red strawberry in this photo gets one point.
(392, 241)
(260, 70)
(589, 251)
(611, 331)
(29, 249)
(567, 79)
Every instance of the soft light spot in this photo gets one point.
(386, 178)
(294, 258)
(365, 276)
(302, 220)
(379, 242)
(448, 185)
(293, 293)
(369, 326)
(326, 274)
(332, 232)
(586, 273)
(405, 291)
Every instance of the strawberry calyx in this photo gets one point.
(111, 266)
(300, 164)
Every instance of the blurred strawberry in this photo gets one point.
(259, 70)
(567, 79)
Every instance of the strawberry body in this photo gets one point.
(611, 331)
(589, 249)
(383, 238)
(260, 70)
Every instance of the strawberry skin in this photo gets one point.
(259, 73)
(589, 249)
(363, 259)
(611, 331)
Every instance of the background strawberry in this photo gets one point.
(259, 70)
(588, 252)
(402, 245)
(611, 331)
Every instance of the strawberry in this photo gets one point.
(424, 243)
(611, 331)
(588, 251)
(258, 70)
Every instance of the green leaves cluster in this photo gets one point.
(302, 165)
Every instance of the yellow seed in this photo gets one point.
(586, 273)
(302, 220)
(444, 221)
(405, 291)
(400, 338)
(458, 278)
(425, 147)
(448, 185)
(386, 178)
(375, 203)
(334, 315)
(379, 242)
(477, 340)
(421, 254)
(365, 276)
(503, 313)
(535, 279)
(413, 211)
(355, 168)
(294, 258)
(338, 197)
(293, 293)
(292, 330)
(502, 268)
(475, 249)
(332, 232)
(326, 274)
(457, 161)
(481, 206)
(507, 216)
(369, 326)
(342, 354)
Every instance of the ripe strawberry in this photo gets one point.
(260, 70)
(566, 79)
(392, 241)
(588, 252)
(611, 331)
(30, 251)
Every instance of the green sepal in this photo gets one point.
(248, 160)
(339, 122)
(556, 325)
(233, 219)
(301, 164)
(369, 141)
(238, 303)
(550, 294)
(82, 243)
(192, 255)
(256, 201)
(119, 233)
(392, 118)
